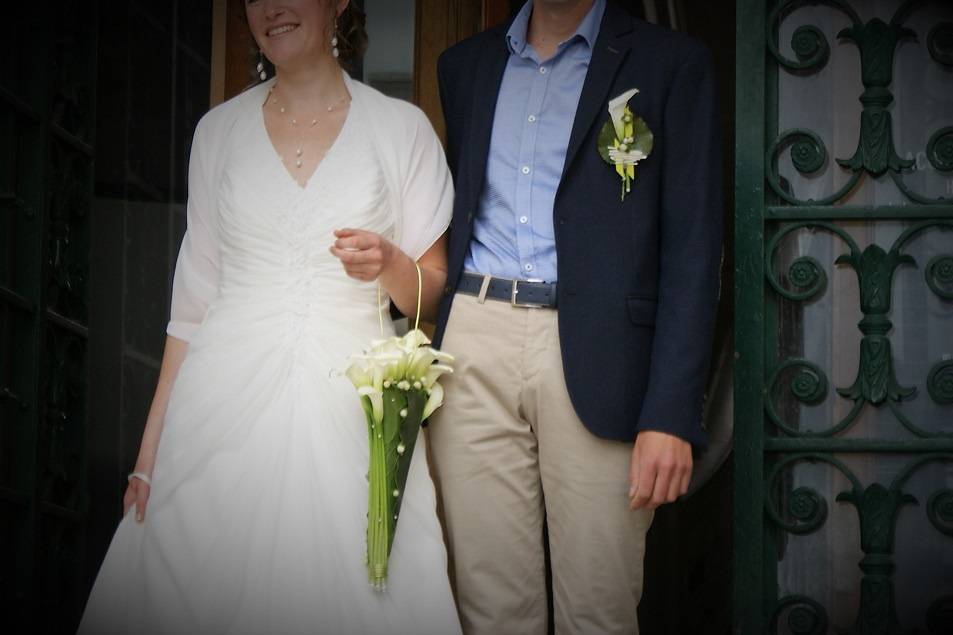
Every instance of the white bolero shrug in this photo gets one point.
(418, 182)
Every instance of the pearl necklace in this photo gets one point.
(299, 148)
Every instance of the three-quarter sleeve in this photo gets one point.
(426, 197)
(197, 268)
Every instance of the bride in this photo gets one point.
(246, 511)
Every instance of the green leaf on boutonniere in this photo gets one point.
(607, 140)
(644, 139)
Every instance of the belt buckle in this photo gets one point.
(523, 305)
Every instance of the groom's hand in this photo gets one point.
(660, 471)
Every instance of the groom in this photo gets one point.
(580, 313)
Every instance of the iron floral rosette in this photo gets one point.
(397, 381)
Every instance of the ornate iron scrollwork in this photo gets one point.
(940, 149)
(940, 43)
(875, 154)
(876, 381)
(940, 511)
(939, 274)
(809, 44)
(877, 42)
(805, 615)
(939, 508)
(940, 382)
(808, 155)
(805, 273)
(877, 508)
(805, 505)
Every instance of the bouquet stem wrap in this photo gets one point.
(391, 447)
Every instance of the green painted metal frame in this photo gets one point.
(766, 212)
(750, 132)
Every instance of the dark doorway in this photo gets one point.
(98, 101)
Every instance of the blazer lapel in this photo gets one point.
(608, 53)
(486, 90)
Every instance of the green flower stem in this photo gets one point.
(378, 527)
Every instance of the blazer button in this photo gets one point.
(447, 290)
(470, 217)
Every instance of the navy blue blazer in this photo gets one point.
(638, 279)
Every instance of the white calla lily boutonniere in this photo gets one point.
(624, 139)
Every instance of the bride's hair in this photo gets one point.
(352, 37)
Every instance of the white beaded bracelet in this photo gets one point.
(141, 476)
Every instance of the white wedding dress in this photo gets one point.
(257, 515)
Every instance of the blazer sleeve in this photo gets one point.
(690, 247)
(197, 268)
(444, 83)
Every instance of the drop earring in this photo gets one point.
(335, 53)
(261, 67)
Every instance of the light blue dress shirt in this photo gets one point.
(513, 234)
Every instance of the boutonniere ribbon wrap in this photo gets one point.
(624, 139)
(397, 383)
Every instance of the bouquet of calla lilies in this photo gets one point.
(397, 380)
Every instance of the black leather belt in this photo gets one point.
(522, 293)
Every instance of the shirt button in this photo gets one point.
(525, 169)
(542, 70)
(531, 118)
(523, 219)
(528, 267)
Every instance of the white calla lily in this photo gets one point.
(378, 378)
(443, 358)
(434, 401)
(617, 110)
(421, 361)
(434, 373)
(377, 401)
(358, 376)
(415, 339)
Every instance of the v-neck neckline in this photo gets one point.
(274, 151)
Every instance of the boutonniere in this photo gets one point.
(625, 139)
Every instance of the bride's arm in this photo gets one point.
(194, 286)
(424, 203)
(367, 256)
(137, 493)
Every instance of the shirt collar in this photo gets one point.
(588, 29)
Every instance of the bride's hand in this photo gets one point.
(137, 493)
(365, 255)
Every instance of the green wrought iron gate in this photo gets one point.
(47, 90)
(843, 497)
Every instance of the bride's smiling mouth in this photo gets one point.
(281, 30)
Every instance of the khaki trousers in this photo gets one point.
(508, 453)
